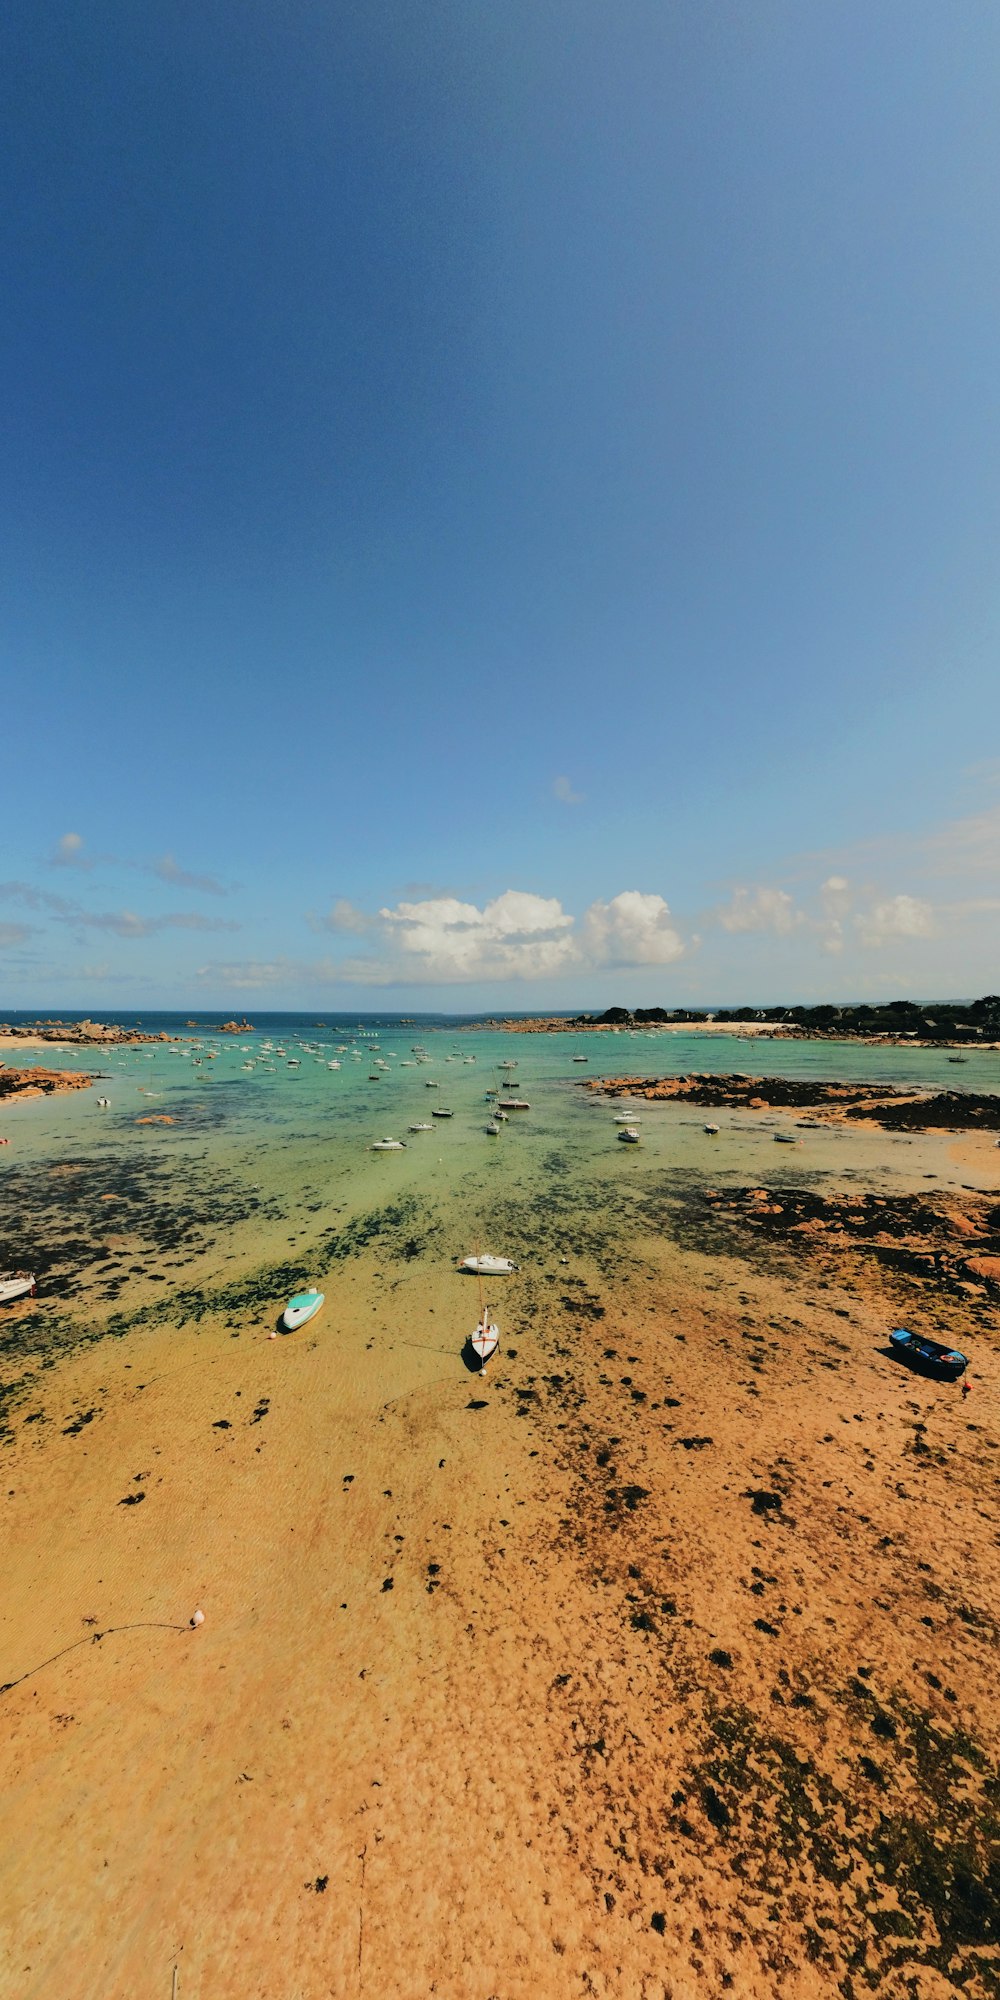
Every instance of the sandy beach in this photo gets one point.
(662, 1661)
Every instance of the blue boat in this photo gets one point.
(931, 1357)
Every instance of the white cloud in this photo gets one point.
(632, 929)
(343, 916)
(516, 936)
(69, 852)
(563, 791)
(897, 917)
(168, 871)
(761, 909)
(255, 974)
(969, 846)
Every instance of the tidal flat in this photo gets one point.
(659, 1661)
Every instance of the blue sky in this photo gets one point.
(499, 505)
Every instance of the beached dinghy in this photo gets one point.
(484, 1339)
(931, 1357)
(305, 1305)
(16, 1285)
(488, 1267)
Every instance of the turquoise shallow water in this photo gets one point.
(267, 1163)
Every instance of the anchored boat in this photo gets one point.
(931, 1357)
(16, 1285)
(484, 1339)
(303, 1306)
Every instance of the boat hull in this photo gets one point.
(928, 1357)
(304, 1306)
(16, 1285)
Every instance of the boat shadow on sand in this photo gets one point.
(473, 1361)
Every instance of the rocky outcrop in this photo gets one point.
(40, 1082)
(77, 1033)
(921, 1238)
(876, 1104)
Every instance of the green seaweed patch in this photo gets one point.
(771, 1806)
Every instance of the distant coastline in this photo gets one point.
(900, 1023)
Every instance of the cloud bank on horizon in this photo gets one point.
(822, 931)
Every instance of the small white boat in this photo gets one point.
(16, 1285)
(581, 1058)
(628, 1118)
(507, 1065)
(711, 1130)
(423, 1126)
(333, 1065)
(629, 1136)
(442, 1112)
(484, 1339)
(493, 1129)
(104, 1103)
(388, 1146)
(429, 1083)
(488, 1267)
(303, 1306)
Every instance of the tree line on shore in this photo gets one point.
(937, 1021)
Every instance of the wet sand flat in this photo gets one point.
(662, 1661)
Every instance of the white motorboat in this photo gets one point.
(507, 1065)
(424, 1125)
(488, 1267)
(16, 1285)
(303, 1306)
(629, 1136)
(441, 1112)
(627, 1118)
(429, 1083)
(388, 1146)
(711, 1130)
(493, 1129)
(581, 1058)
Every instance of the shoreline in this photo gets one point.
(777, 1031)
